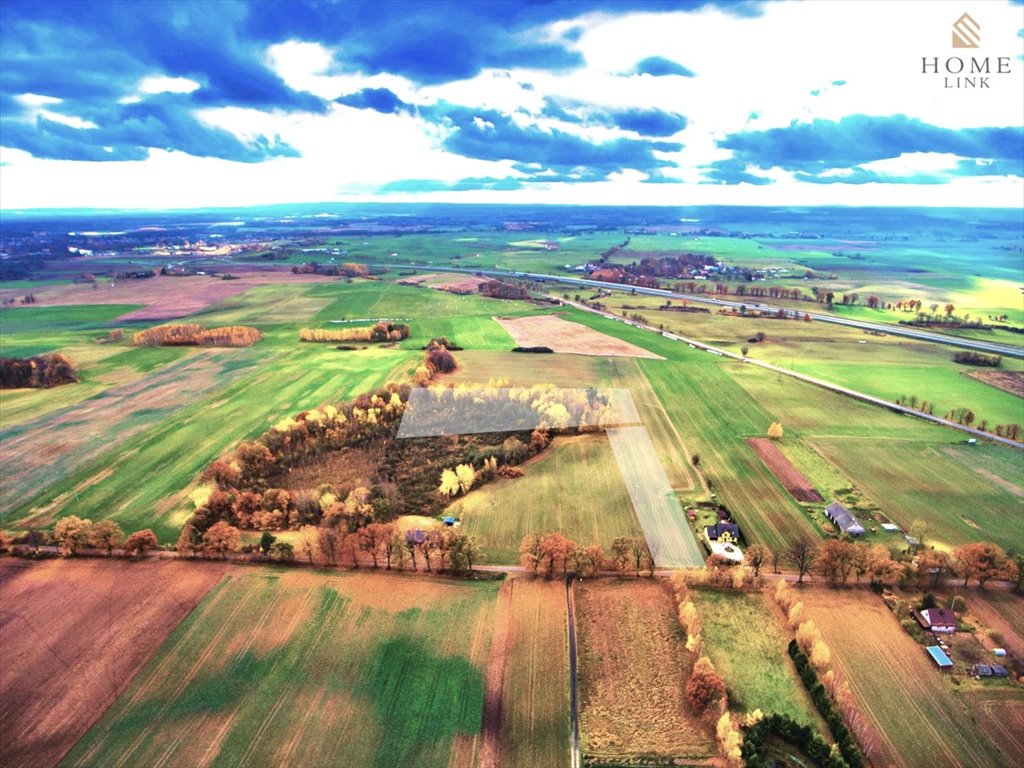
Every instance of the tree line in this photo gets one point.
(334, 543)
(836, 561)
(553, 554)
(195, 335)
(73, 534)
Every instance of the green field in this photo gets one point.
(173, 447)
(884, 366)
(744, 641)
(574, 487)
(309, 669)
(965, 493)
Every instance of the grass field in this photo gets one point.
(633, 668)
(919, 716)
(745, 642)
(466, 320)
(301, 669)
(575, 487)
(535, 717)
(72, 634)
(965, 493)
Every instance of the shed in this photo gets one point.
(890, 527)
(998, 670)
(841, 516)
(942, 661)
(981, 670)
(449, 520)
(939, 620)
(999, 651)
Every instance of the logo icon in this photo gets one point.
(966, 32)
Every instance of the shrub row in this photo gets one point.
(39, 371)
(824, 704)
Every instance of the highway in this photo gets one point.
(1007, 350)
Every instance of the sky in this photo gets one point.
(223, 103)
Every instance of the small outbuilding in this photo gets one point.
(845, 521)
(981, 670)
(940, 620)
(449, 520)
(942, 661)
(998, 670)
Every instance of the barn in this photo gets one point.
(942, 661)
(842, 518)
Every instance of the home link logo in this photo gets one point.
(966, 32)
(966, 72)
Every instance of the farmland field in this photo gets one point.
(302, 669)
(72, 634)
(567, 338)
(574, 487)
(745, 642)
(633, 671)
(170, 452)
(918, 715)
(534, 693)
(943, 485)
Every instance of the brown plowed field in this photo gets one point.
(464, 285)
(1008, 381)
(165, 297)
(920, 716)
(571, 338)
(73, 633)
(790, 477)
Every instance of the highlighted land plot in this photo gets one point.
(661, 517)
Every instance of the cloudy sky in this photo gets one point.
(216, 102)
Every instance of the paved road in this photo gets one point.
(573, 694)
(1008, 350)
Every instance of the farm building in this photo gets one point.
(724, 533)
(846, 522)
(942, 661)
(938, 620)
(723, 539)
(998, 670)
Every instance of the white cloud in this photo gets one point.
(154, 84)
(69, 120)
(35, 100)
